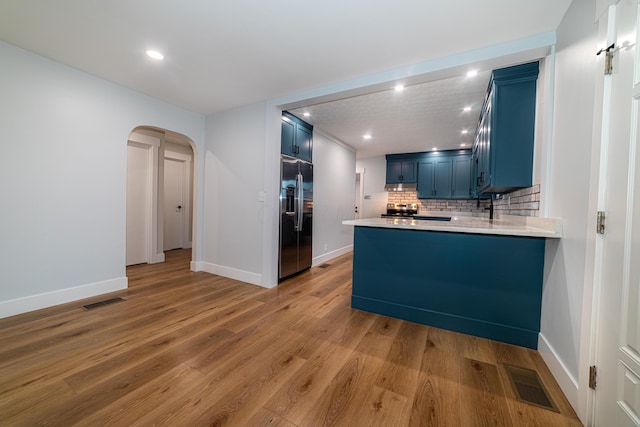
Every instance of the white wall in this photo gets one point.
(234, 178)
(334, 169)
(568, 198)
(375, 176)
(63, 178)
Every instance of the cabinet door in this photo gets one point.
(461, 187)
(442, 179)
(408, 171)
(484, 149)
(394, 171)
(425, 179)
(303, 143)
(287, 138)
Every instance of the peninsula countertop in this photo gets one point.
(505, 225)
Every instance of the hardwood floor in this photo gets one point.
(196, 349)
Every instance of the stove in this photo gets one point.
(401, 210)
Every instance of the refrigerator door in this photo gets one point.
(306, 228)
(288, 259)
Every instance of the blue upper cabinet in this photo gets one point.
(444, 175)
(461, 185)
(297, 137)
(434, 178)
(503, 147)
(401, 171)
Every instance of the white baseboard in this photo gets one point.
(232, 273)
(567, 382)
(156, 258)
(62, 296)
(331, 255)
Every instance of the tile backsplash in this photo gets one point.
(523, 202)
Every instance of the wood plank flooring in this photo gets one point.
(191, 349)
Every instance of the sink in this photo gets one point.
(433, 218)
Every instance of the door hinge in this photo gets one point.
(608, 58)
(593, 372)
(600, 222)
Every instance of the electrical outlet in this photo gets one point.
(325, 247)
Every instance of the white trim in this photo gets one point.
(331, 255)
(61, 296)
(142, 139)
(360, 201)
(157, 258)
(271, 208)
(230, 272)
(602, 6)
(568, 384)
(154, 177)
(177, 156)
(547, 146)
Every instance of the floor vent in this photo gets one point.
(528, 387)
(102, 303)
(324, 265)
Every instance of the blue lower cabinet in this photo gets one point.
(484, 285)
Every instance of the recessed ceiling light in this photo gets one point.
(435, 148)
(154, 54)
(306, 114)
(399, 88)
(463, 145)
(464, 131)
(472, 73)
(366, 136)
(466, 109)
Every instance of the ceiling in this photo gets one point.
(421, 117)
(222, 54)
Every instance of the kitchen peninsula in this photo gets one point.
(469, 274)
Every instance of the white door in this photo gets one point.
(357, 201)
(138, 171)
(617, 395)
(174, 171)
(359, 193)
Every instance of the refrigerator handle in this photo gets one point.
(299, 201)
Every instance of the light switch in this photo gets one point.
(261, 196)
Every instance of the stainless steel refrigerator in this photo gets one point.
(296, 214)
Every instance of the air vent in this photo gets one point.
(528, 387)
(102, 303)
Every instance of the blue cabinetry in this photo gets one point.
(296, 138)
(504, 142)
(401, 171)
(461, 187)
(444, 175)
(497, 295)
(434, 178)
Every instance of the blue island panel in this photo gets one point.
(484, 285)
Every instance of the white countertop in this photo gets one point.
(506, 225)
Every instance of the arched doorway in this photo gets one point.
(160, 194)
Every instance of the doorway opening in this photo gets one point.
(160, 194)
(359, 193)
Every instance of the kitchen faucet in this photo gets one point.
(490, 208)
